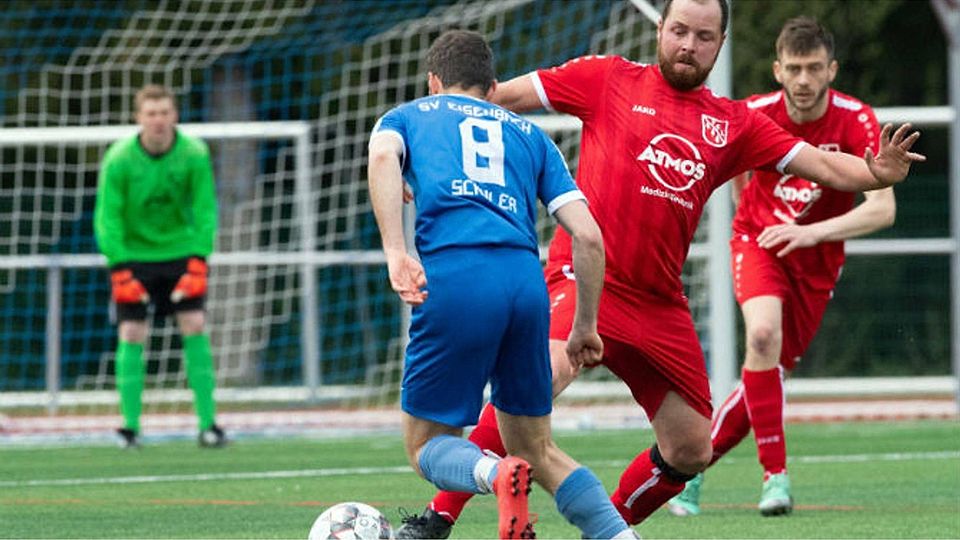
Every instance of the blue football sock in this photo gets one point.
(449, 463)
(583, 501)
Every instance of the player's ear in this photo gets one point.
(434, 84)
(832, 68)
(491, 91)
(777, 71)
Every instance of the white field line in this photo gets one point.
(368, 471)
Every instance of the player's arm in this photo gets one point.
(849, 173)
(877, 211)
(385, 180)
(193, 282)
(518, 94)
(204, 204)
(109, 226)
(584, 345)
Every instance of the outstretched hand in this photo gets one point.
(892, 163)
(584, 348)
(407, 278)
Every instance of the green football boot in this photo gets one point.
(687, 502)
(775, 499)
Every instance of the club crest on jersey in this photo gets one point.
(714, 130)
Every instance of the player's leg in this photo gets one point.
(802, 312)
(673, 365)
(201, 376)
(766, 293)
(446, 370)
(130, 369)
(445, 508)
(579, 495)
(522, 386)
(438, 453)
(763, 394)
(197, 351)
(438, 518)
(661, 472)
(730, 425)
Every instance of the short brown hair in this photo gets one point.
(803, 35)
(151, 92)
(462, 58)
(724, 12)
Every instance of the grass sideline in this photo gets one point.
(851, 480)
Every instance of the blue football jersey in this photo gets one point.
(476, 170)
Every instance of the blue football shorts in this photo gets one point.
(487, 318)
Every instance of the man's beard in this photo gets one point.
(816, 101)
(682, 80)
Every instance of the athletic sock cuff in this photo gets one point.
(666, 469)
(573, 485)
(449, 463)
(583, 501)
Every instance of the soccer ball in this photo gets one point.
(351, 521)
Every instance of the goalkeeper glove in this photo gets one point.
(193, 283)
(127, 289)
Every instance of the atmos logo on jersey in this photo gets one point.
(797, 195)
(673, 161)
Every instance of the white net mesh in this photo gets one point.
(338, 65)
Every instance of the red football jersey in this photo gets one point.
(650, 156)
(769, 198)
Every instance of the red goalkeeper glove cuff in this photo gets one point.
(192, 284)
(127, 289)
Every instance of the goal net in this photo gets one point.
(300, 310)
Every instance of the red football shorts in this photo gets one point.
(661, 354)
(759, 272)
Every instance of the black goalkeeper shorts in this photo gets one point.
(159, 278)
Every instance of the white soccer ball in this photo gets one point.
(351, 521)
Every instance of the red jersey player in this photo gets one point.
(654, 146)
(787, 252)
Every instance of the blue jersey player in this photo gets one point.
(480, 306)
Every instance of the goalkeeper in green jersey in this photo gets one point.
(155, 221)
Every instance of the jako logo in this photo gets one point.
(644, 109)
(679, 173)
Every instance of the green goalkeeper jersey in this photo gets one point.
(155, 208)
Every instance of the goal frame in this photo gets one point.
(307, 258)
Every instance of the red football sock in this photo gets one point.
(763, 393)
(643, 489)
(486, 435)
(731, 424)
